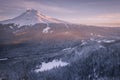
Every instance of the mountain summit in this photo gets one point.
(31, 17)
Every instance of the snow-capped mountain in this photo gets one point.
(31, 17)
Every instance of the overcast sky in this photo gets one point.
(95, 12)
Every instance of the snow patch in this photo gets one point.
(101, 46)
(105, 41)
(100, 36)
(51, 65)
(3, 59)
(11, 27)
(83, 43)
(108, 41)
(91, 34)
(67, 49)
(46, 30)
(92, 39)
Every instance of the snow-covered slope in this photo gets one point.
(31, 17)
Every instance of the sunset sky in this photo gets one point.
(91, 12)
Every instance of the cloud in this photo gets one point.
(24, 4)
(114, 16)
(106, 19)
(49, 8)
(112, 19)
